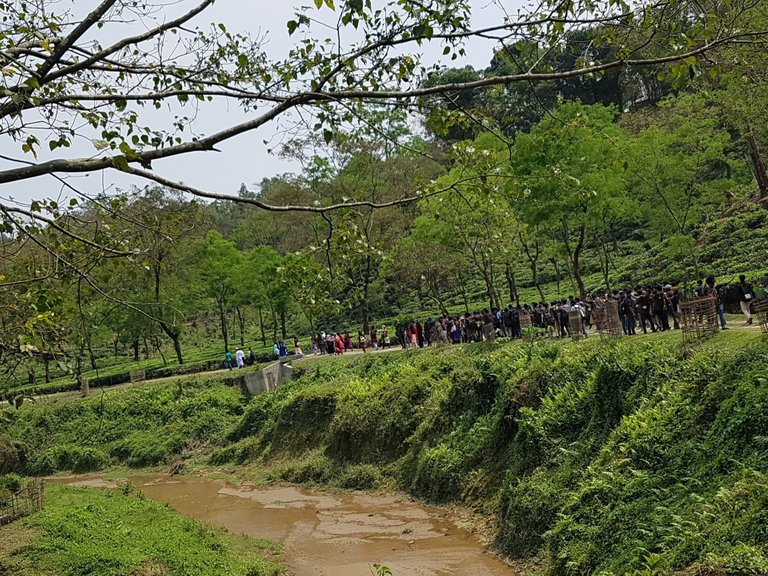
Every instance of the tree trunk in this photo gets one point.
(47, 364)
(86, 330)
(533, 260)
(435, 295)
(82, 382)
(174, 333)
(223, 321)
(177, 349)
(462, 288)
(576, 262)
(761, 174)
(514, 296)
(282, 324)
(606, 268)
(159, 350)
(261, 327)
(241, 324)
(135, 346)
(274, 321)
(558, 276)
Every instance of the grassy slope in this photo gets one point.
(730, 245)
(600, 457)
(142, 426)
(87, 531)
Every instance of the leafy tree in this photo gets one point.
(474, 219)
(424, 266)
(222, 263)
(568, 175)
(62, 82)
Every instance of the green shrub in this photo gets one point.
(360, 477)
(10, 482)
(69, 458)
(147, 448)
(440, 474)
(13, 454)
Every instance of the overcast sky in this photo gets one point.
(244, 159)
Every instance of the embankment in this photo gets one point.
(593, 457)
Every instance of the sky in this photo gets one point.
(245, 159)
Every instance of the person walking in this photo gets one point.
(746, 296)
(384, 336)
(228, 360)
(712, 288)
(239, 358)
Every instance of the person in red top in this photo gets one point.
(338, 344)
(374, 338)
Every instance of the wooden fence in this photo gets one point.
(29, 499)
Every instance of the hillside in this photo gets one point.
(601, 457)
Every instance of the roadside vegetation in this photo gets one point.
(638, 455)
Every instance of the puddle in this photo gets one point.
(330, 534)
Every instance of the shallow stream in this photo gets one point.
(330, 534)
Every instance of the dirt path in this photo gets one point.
(734, 325)
(72, 394)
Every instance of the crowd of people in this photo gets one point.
(644, 309)
(654, 309)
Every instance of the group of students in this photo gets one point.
(654, 308)
(340, 342)
(240, 359)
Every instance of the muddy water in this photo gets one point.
(331, 534)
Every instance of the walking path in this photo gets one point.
(734, 325)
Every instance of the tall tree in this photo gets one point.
(568, 175)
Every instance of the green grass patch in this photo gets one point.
(88, 532)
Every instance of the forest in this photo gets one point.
(450, 203)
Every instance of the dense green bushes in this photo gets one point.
(603, 457)
(142, 426)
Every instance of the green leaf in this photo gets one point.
(318, 4)
(121, 163)
(328, 136)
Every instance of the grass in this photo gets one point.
(592, 457)
(84, 531)
(137, 427)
